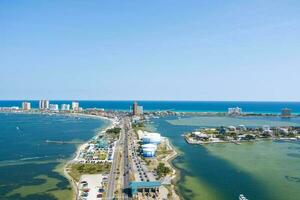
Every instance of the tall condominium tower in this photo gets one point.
(135, 110)
(43, 104)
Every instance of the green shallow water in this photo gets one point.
(275, 165)
(30, 168)
(264, 170)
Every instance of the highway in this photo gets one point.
(112, 175)
(126, 163)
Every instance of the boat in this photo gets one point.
(242, 197)
(18, 128)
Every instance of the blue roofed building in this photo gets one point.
(135, 186)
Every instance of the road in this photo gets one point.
(126, 163)
(112, 175)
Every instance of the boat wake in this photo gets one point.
(242, 197)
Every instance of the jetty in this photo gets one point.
(62, 142)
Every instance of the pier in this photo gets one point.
(62, 142)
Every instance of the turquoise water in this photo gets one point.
(217, 121)
(30, 168)
(263, 170)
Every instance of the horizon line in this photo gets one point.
(127, 100)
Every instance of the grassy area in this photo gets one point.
(101, 155)
(138, 125)
(162, 170)
(113, 133)
(76, 170)
(163, 151)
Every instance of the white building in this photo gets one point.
(153, 138)
(231, 128)
(43, 104)
(14, 108)
(140, 110)
(149, 150)
(199, 135)
(53, 107)
(26, 105)
(242, 127)
(65, 107)
(234, 111)
(75, 106)
(266, 128)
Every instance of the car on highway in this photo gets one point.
(99, 195)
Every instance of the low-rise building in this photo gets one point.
(53, 107)
(235, 111)
(65, 107)
(75, 106)
(286, 112)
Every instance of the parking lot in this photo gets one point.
(91, 187)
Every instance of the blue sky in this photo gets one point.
(150, 50)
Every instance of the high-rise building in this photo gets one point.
(43, 104)
(65, 107)
(286, 112)
(75, 106)
(135, 108)
(26, 105)
(53, 107)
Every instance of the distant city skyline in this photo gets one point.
(150, 50)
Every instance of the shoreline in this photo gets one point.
(176, 173)
(188, 140)
(72, 182)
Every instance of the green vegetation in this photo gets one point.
(162, 150)
(291, 135)
(101, 155)
(76, 170)
(113, 132)
(148, 162)
(221, 137)
(138, 125)
(162, 170)
(210, 131)
(249, 137)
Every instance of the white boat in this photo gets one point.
(242, 197)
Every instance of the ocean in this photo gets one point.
(182, 106)
(30, 168)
